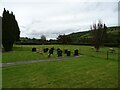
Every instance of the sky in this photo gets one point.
(54, 17)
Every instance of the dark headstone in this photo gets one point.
(33, 49)
(76, 52)
(45, 50)
(51, 51)
(52, 48)
(59, 52)
(68, 53)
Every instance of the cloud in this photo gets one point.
(58, 1)
(54, 17)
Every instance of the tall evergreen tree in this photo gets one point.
(0, 33)
(10, 30)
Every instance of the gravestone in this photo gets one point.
(68, 53)
(45, 50)
(33, 49)
(59, 52)
(52, 48)
(76, 52)
(50, 52)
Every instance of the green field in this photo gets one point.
(23, 52)
(90, 70)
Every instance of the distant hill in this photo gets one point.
(85, 37)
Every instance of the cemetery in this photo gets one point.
(87, 59)
(89, 69)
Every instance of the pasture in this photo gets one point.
(90, 70)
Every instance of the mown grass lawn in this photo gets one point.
(23, 52)
(90, 70)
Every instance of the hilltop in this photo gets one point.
(85, 36)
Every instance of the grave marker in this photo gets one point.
(76, 52)
(68, 53)
(45, 50)
(33, 49)
(50, 52)
(59, 52)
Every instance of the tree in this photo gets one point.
(99, 34)
(10, 30)
(0, 32)
(64, 39)
(43, 38)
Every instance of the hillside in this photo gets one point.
(84, 37)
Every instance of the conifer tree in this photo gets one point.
(10, 30)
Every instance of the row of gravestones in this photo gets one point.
(59, 51)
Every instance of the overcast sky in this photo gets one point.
(54, 17)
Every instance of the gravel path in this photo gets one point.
(35, 61)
